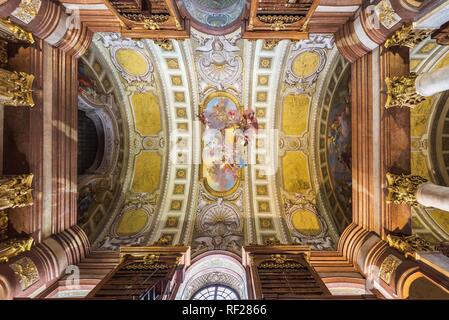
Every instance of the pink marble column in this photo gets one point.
(32, 272)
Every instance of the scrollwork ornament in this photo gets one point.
(278, 261)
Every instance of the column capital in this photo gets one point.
(410, 246)
(16, 191)
(372, 25)
(407, 37)
(401, 92)
(402, 188)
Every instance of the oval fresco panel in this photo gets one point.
(131, 223)
(132, 62)
(221, 146)
(306, 222)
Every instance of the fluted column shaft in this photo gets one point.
(28, 274)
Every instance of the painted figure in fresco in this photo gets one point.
(339, 144)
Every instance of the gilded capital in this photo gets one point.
(3, 225)
(402, 188)
(16, 191)
(11, 32)
(16, 88)
(407, 37)
(12, 247)
(408, 245)
(401, 92)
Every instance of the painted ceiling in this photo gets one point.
(289, 183)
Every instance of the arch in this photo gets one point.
(215, 269)
(417, 286)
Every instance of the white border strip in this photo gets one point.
(363, 37)
(98, 6)
(337, 8)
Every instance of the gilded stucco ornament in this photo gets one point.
(11, 32)
(270, 44)
(410, 246)
(388, 268)
(279, 261)
(3, 225)
(16, 88)
(386, 14)
(164, 240)
(26, 271)
(402, 188)
(154, 22)
(401, 92)
(272, 241)
(16, 191)
(12, 247)
(27, 10)
(165, 44)
(407, 37)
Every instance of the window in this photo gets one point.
(216, 292)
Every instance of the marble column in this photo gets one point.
(432, 195)
(30, 273)
(386, 266)
(429, 83)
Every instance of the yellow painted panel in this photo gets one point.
(295, 114)
(419, 117)
(295, 172)
(132, 62)
(147, 113)
(132, 222)
(443, 62)
(419, 164)
(147, 170)
(442, 218)
(306, 222)
(305, 64)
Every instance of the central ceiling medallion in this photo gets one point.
(215, 14)
(227, 132)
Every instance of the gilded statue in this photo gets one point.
(12, 247)
(401, 92)
(408, 245)
(402, 188)
(16, 191)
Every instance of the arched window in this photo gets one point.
(216, 292)
(214, 277)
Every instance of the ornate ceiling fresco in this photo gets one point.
(187, 173)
